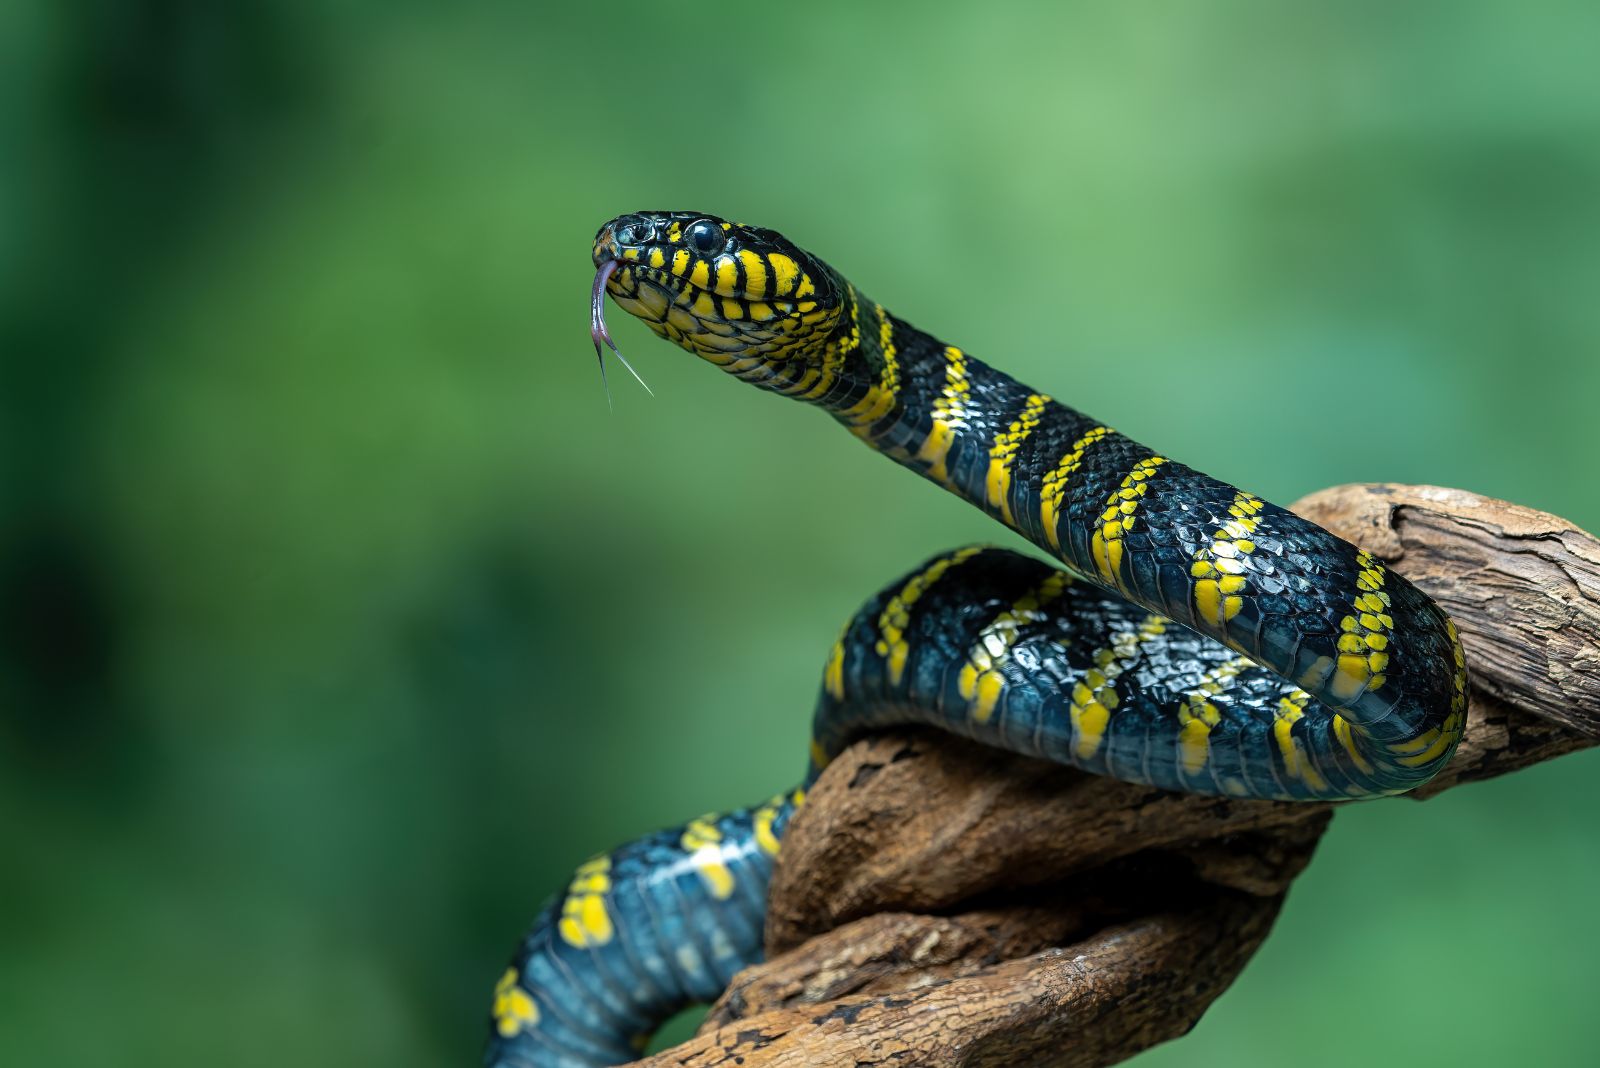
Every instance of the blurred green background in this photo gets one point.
(342, 620)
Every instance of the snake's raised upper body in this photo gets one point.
(1198, 638)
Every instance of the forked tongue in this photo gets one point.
(598, 331)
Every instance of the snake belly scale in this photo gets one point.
(1186, 634)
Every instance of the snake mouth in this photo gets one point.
(645, 292)
(676, 306)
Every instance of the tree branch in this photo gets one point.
(940, 903)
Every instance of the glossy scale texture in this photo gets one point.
(1197, 638)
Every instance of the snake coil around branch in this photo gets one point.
(938, 903)
(1189, 636)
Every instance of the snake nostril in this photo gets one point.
(634, 231)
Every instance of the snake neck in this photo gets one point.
(925, 404)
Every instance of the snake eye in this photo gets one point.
(704, 237)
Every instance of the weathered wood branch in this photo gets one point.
(1523, 586)
(938, 903)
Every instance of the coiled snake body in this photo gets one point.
(1197, 639)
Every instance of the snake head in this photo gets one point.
(739, 296)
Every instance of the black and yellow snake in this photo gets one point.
(1198, 638)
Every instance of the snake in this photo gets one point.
(1183, 634)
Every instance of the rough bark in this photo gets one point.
(939, 903)
(1523, 586)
